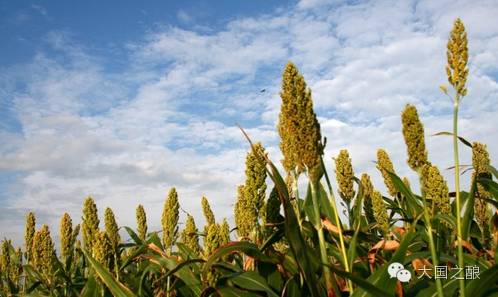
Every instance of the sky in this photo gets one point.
(124, 100)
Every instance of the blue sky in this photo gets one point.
(104, 26)
(121, 100)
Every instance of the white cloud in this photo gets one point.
(40, 9)
(308, 4)
(183, 16)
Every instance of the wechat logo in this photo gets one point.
(397, 270)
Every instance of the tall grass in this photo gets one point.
(289, 243)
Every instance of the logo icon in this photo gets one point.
(397, 270)
(404, 275)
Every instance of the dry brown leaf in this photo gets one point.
(378, 245)
(156, 249)
(466, 245)
(387, 245)
(391, 245)
(343, 285)
(400, 230)
(249, 263)
(419, 264)
(371, 258)
(399, 289)
(329, 226)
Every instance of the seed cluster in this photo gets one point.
(190, 236)
(250, 204)
(29, 234)
(300, 136)
(436, 189)
(413, 133)
(458, 56)
(169, 219)
(368, 189)
(344, 175)
(384, 165)
(43, 251)
(480, 163)
(90, 223)
(111, 228)
(141, 222)
(102, 250)
(380, 212)
(208, 213)
(66, 235)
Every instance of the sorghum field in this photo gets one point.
(443, 242)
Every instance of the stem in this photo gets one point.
(321, 238)
(457, 192)
(435, 261)
(295, 196)
(116, 266)
(348, 204)
(432, 246)
(168, 286)
(339, 226)
(168, 281)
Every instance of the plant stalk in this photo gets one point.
(435, 261)
(321, 238)
(457, 194)
(432, 246)
(116, 266)
(338, 225)
(168, 280)
(295, 198)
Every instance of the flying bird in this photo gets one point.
(262, 91)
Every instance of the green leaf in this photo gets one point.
(271, 273)
(447, 218)
(323, 201)
(290, 264)
(490, 185)
(352, 246)
(185, 251)
(208, 292)
(325, 205)
(251, 280)
(468, 214)
(116, 288)
(492, 202)
(293, 233)
(486, 283)
(32, 272)
(308, 206)
(133, 235)
(130, 258)
(246, 247)
(188, 277)
(227, 267)
(234, 292)
(358, 204)
(463, 140)
(493, 171)
(273, 238)
(90, 289)
(154, 238)
(183, 264)
(371, 289)
(291, 288)
(449, 288)
(411, 200)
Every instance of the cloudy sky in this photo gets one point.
(123, 101)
